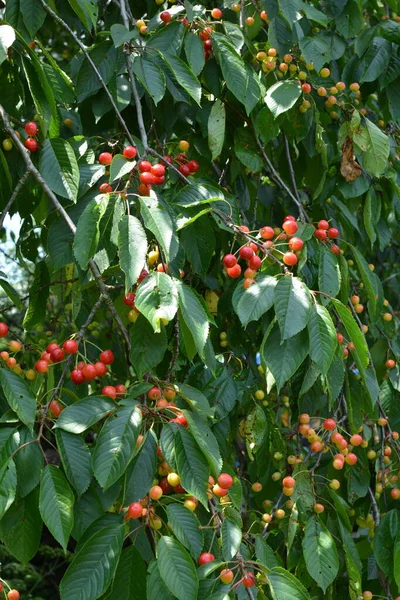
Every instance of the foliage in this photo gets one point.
(282, 385)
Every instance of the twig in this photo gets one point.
(15, 193)
(65, 25)
(291, 169)
(175, 352)
(71, 225)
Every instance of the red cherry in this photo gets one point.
(143, 275)
(340, 338)
(205, 558)
(77, 377)
(105, 188)
(144, 166)
(290, 227)
(289, 218)
(31, 144)
(323, 224)
(107, 357)
(134, 511)
(181, 419)
(144, 190)
(57, 355)
(45, 356)
(13, 595)
(288, 482)
(105, 158)
(101, 369)
(51, 347)
(165, 16)
(159, 180)
(249, 580)
(184, 169)
(246, 252)
(158, 170)
(129, 299)
(225, 481)
(178, 489)
(255, 262)
(109, 390)
(216, 13)
(333, 233)
(234, 272)
(193, 164)
(80, 365)
(329, 424)
(290, 259)
(129, 152)
(164, 485)
(321, 234)
(42, 366)
(154, 393)
(3, 329)
(56, 408)
(267, 233)
(306, 87)
(147, 178)
(229, 261)
(121, 390)
(296, 244)
(181, 158)
(335, 249)
(89, 372)
(31, 128)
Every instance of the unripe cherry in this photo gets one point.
(226, 576)
(288, 482)
(351, 458)
(319, 508)
(219, 491)
(155, 492)
(356, 440)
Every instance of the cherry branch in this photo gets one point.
(15, 193)
(71, 225)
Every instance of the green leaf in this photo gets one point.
(285, 586)
(28, 461)
(322, 335)
(371, 283)
(376, 59)
(192, 467)
(75, 457)
(320, 553)
(358, 478)
(198, 241)
(151, 77)
(252, 303)
(120, 34)
(8, 486)
(156, 588)
(59, 168)
(184, 76)
(78, 417)
(159, 221)
(265, 555)
(120, 167)
(56, 503)
(38, 295)
(246, 151)
(21, 528)
(283, 359)
(328, 275)
(169, 39)
(353, 562)
(396, 565)
(147, 348)
(33, 15)
(93, 567)
(87, 231)
(193, 314)
(194, 50)
(315, 50)
(198, 193)
(266, 126)
(87, 11)
(293, 304)
(371, 214)
(375, 158)
(196, 399)
(216, 128)
(361, 351)
(206, 440)
(231, 535)
(132, 243)
(87, 83)
(186, 527)
(177, 569)
(232, 66)
(19, 397)
(282, 96)
(157, 298)
(116, 445)
(140, 473)
(130, 577)
(7, 38)
(384, 541)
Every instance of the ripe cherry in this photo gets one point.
(225, 481)
(56, 408)
(395, 493)
(234, 272)
(147, 178)
(107, 357)
(333, 233)
(57, 355)
(351, 458)
(267, 233)
(154, 393)
(246, 252)
(3, 329)
(184, 169)
(193, 165)
(323, 224)
(165, 16)
(42, 366)
(121, 390)
(129, 299)
(101, 369)
(130, 152)
(205, 558)
(134, 511)
(321, 234)
(31, 128)
(296, 244)
(329, 424)
(13, 595)
(229, 261)
(105, 158)
(335, 249)
(356, 440)
(290, 259)
(89, 372)
(144, 166)
(254, 262)
(181, 419)
(288, 482)
(31, 144)
(249, 580)
(226, 576)
(390, 364)
(158, 170)
(77, 377)
(216, 13)
(306, 87)
(110, 391)
(105, 188)
(143, 275)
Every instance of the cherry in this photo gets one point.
(395, 493)
(51, 347)
(226, 576)
(70, 346)
(45, 356)
(121, 390)
(129, 152)
(390, 363)
(105, 188)
(288, 482)
(306, 87)
(335, 249)
(57, 355)
(144, 166)
(159, 180)
(107, 357)
(323, 224)
(56, 408)
(206, 557)
(147, 178)
(144, 190)
(354, 87)
(173, 479)
(31, 128)
(229, 261)
(184, 169)
(250, 21)
(324, 73)
(143, 275)
(249, 273)
(329, 424)
(101, 369)
(105, 158)
(255, 262)
(165, 16)
(89, 372)
(164, 485)
(31, 144)
(319, 508)
(80, 365)
(219, 491)
(234, 272)
(333, 233)
(154, 393)
(183, 144)
(351, 458)
(304, 418)
(161, 269)
(256, 487)
(155, 492)
(158, 170)
(290, 259)
(216, 13)
(11, 362)
(225, 481)
(267, 233)
(296, 244)
(249, 580)
(290, 227)
(42, 366)
(13, 595)
(109, 390)
(77, 377)
(3, 329)
(15, 346)
(246, 252)
(193, 164)
(181, 419)
(134, 511)
(4, 355)
(356, 440)
(178, 489)
(321, 234)
(385, 316)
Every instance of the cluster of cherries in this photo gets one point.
(30, 143)
(11, 594)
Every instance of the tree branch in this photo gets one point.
(291, 169)
(15, 193)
